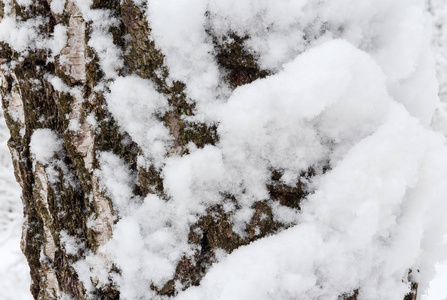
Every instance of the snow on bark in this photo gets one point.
(217, 150)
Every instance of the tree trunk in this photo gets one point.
(72, 203)
(64, 197)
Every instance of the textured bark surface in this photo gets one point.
(74, 204)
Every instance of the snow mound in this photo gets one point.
(45, 143)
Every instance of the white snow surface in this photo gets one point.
(438, 8)
(139, 119)
(14, 271)
(45, 143)
(24, 35)
(57, 6)
(59, 39)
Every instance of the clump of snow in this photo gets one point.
(24, 3)
(58, 84)
(363, 227)
(21, 35)
(144, 251)
(276, 123)
(45, 143)
(74, 125)
(275, 30)
(395, 34)
(339, 111)
(57, 6)
(438, 289)
(92, 267)
(116, 180)
(195, 179)
(438, 8)
(59, 40)
(158, 245)
(71, 245)
(184, 40)
(110, 55)
(354, 83)
(135, 104)
(138, 246)
(91, 120)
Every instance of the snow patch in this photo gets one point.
(135, 104)
(45, 143)
(57, 6)
(116, 180)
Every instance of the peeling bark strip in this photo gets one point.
(51, 290)
(67, 199)
(72, 57)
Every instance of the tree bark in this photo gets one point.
(30, 103)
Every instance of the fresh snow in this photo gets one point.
(358, 94)
(44, 144)
(438, 8)
(101, 40)
(139, 120)
(368, 244)
(14, 271)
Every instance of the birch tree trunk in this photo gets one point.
(72, 203)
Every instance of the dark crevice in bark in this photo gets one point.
(350, 296)
(240, 65)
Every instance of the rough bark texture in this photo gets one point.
(75, 204)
